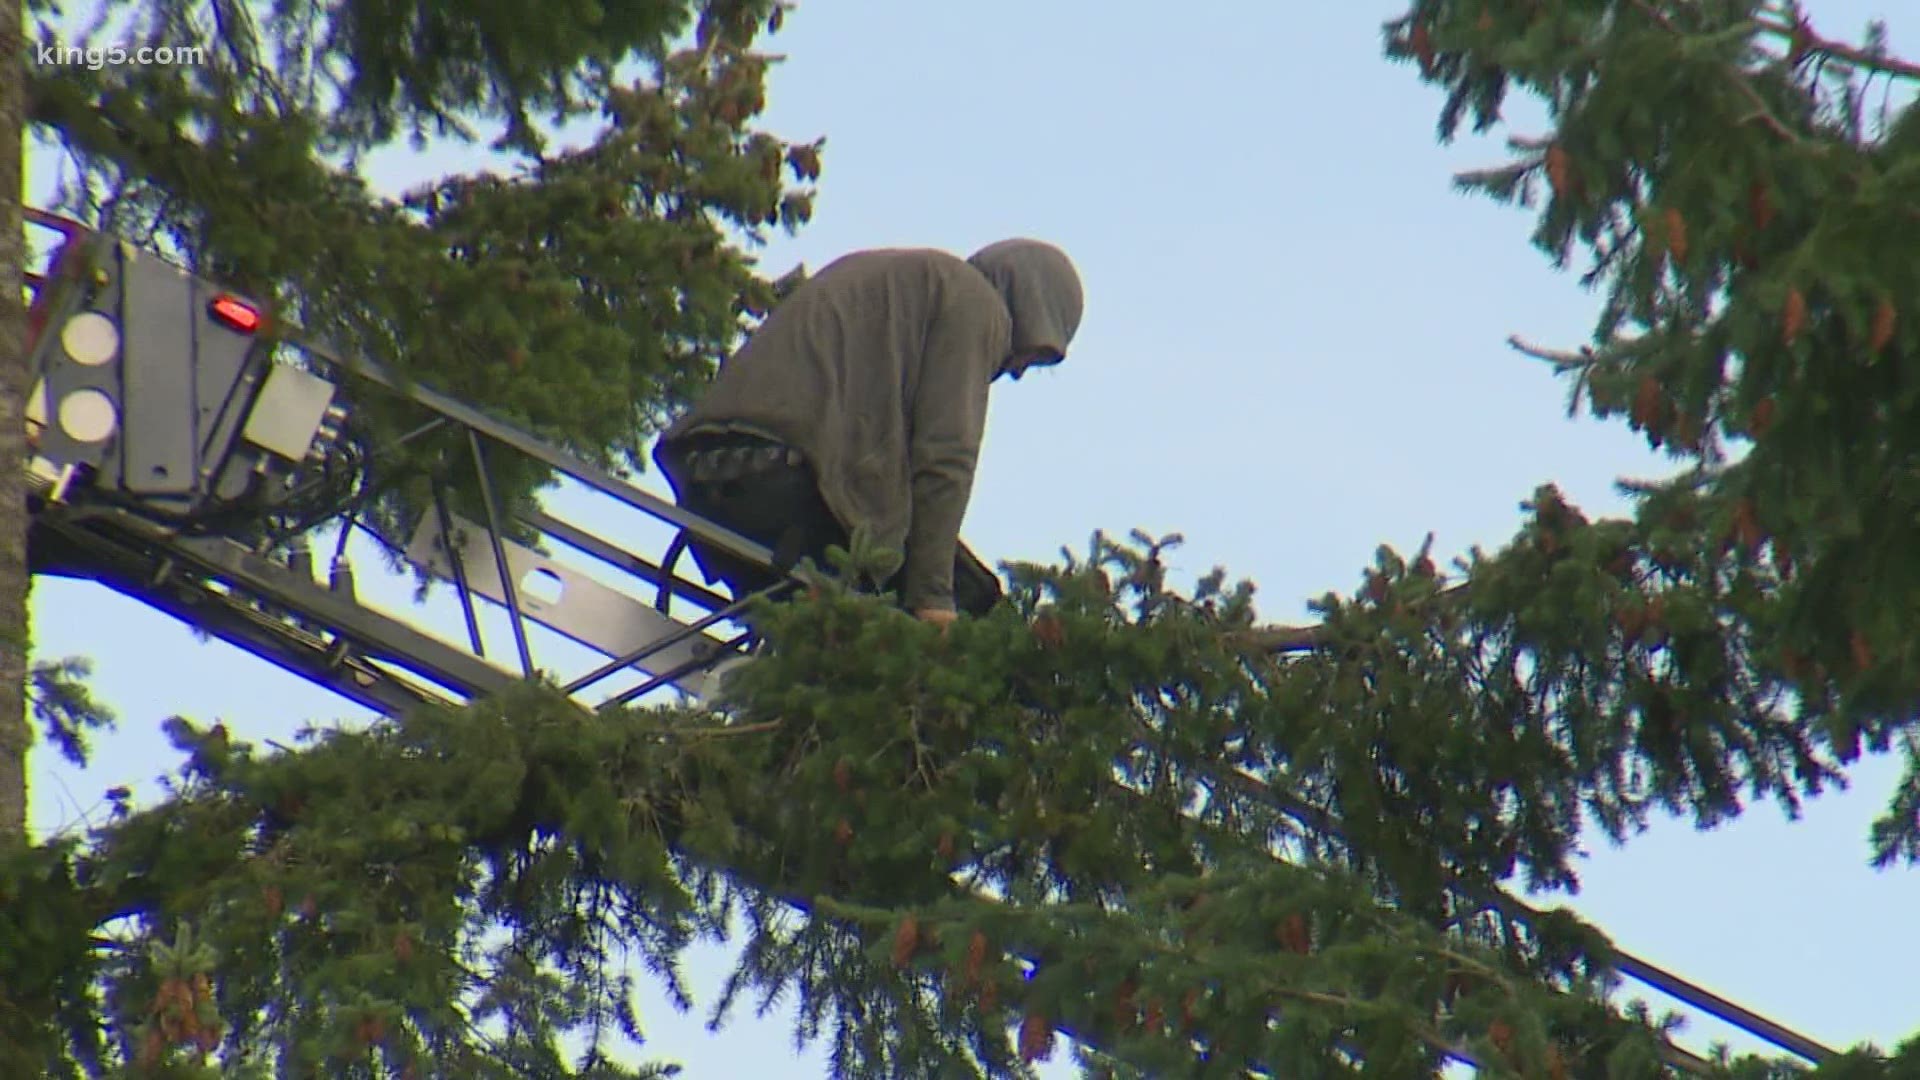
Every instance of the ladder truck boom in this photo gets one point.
(167, 426)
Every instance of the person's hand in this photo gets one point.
(940, 617)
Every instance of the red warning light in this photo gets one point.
(235, 314)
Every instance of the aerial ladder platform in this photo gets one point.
(168, 424)
(168, 421)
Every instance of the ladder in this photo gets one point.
(167, 426)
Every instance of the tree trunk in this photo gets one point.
(14, 579)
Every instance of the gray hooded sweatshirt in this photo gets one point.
(877, 368)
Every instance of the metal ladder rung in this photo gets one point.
(585, 611)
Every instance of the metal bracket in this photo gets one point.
(567, 602)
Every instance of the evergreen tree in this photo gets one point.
(1112, 809)
(15, 734)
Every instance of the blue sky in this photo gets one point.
(1293, 352)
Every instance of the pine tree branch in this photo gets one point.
(1802, 39)
(1490, 898)
(1293, 639)
(1559, 357)
(1280, 639)
(1496, 174)
(1093, 1030)
(1762, 114)
(1519, 911)
(724, 731)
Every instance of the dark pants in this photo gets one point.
(770, 496)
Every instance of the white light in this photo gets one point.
(87, 416)
(90, 339)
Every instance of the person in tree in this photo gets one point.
(861, 403)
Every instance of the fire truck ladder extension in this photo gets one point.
(159, 408)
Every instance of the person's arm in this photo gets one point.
(948, 415)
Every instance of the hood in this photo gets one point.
(1042, 292)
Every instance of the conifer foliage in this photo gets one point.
(1107, 810)
(1741, 185)
(583, 292)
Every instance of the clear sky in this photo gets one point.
(1293, 352)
